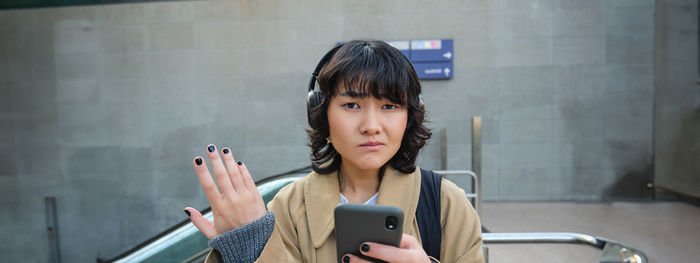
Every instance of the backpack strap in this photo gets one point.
(428, 213)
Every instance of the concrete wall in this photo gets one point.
(677, 93)
(104, 107)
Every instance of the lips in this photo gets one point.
(372, 145)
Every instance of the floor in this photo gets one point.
(664, 231)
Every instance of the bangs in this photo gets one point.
(364, 70)
(378, 85)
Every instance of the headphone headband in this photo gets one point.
(324, 60)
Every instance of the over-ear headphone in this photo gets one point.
(314, 98)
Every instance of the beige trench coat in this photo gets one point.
(304, 225)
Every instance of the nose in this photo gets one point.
(371, 124)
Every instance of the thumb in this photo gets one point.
(204, 225)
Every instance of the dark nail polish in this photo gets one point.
(187, 213)
(240, 163)
(211, 148)
(364, 247)
(346, 259)
(225, 150)
(198, 161)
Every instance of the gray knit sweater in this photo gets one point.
(244, 244)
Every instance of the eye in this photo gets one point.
(390, 107)
(352, 106)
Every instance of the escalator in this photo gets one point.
(183, 242)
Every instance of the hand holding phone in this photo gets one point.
(356, 223)
(374, 233)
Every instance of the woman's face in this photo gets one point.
(367, 131)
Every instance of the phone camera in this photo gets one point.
(391, 222)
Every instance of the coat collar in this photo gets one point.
(322, 195)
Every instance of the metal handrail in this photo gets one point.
(476, 195)
(540, 237)
(612, 251)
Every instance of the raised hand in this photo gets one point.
(239, 201)
(409, 251)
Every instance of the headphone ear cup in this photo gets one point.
(313, 100)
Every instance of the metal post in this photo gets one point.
(476, 156)
(443, 153)
(486, 254)
(52, 229)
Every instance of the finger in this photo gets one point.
(232, 169)
(247, 178)
(206, 181)
(204, 226)
(383, 252)
(409, 242)
(219, 171)
(354, 259)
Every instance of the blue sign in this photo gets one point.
(433, 70)
(403, 45)
(437, 50)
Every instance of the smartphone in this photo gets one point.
(358, 223)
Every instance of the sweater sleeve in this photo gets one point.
(244, 244)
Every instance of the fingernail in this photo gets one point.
(187, 213)
(198, 161)
(240, 163)
(364, 247)
(211, 148)
(225, 150)
(346, 259)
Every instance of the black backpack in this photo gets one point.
(428, 213)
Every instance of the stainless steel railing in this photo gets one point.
(612, 251)
(476, 194)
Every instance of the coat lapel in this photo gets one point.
(321, 196)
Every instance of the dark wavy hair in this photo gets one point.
(369, 68)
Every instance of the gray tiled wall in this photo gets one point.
(104, 107)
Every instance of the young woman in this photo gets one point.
(367, 130)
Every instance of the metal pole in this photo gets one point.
(52, 229)
(486, 254)
(476, 157)
(443, 153)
